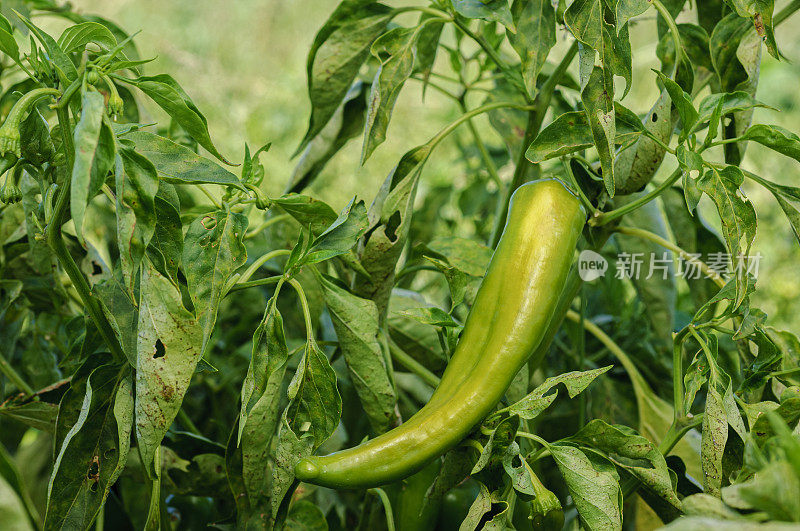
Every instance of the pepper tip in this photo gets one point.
(306, 469)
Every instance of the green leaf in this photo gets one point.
(289, 450)
(658, 289)
(16, 506)
(627, 9)
(584, 18)
(64, 67)
(171, 97)
(309, 212)
(94, 156)
(735, 210)
(683, 102)
(341, 235)
(169, 345)
(635, 166)
(37, 145)
(484, 504)
(347, 122)
(632, 452)
(509, 123)
(212, 250)
(599, 104)
(392, 209)
(75, 38)
(315, 404)
(431, 316)
(39, 415)
(776, 138)
(8, 45)
(535, 36)
(724, 44)
(568, 133)
(593, 483)
(775, 491)
(427, 48)
(261, 397)
(94, 450)
(501, 438)
(179, 165)
(488, 10)
(356, 323)
(136, 188)
(340, 48)
(616, 54)
(121, 311)
(465, 254)
(305, 516)
(395, 50)
(538, 400)
(760, 12)
(788, 198)
(730, 102)
(166, 245)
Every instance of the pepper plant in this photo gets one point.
(174, 340)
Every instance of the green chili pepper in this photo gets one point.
(511, 313)
(9, 132)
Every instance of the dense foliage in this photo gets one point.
(173, 340)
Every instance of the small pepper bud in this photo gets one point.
(10, 193)
(546, 510)
(93, 77)
(115, 104)
(262, 202)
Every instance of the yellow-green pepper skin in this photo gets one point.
(510, 314)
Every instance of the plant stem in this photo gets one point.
(412, 269)
(533, 437)
(436, 87)
(584, 200)
(487, 158)
(678, 428)
(471, 114)
(412, 365)
(655, 238)
(491, 52)
(786, 12)
(535, 119)
(597, 332)
(677, 373)
(260, 261)
(680, 53)
(603, 218)
(306, 311)
(421, 9)
(184, 418)
(546, 93)
(518, 179)
(253, 283)
(387, 506)
(209, 195)
(14, 376)
(56, 242)
(265, 225)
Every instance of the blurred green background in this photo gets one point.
(243, 61)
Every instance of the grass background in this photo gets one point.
(243, 62)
